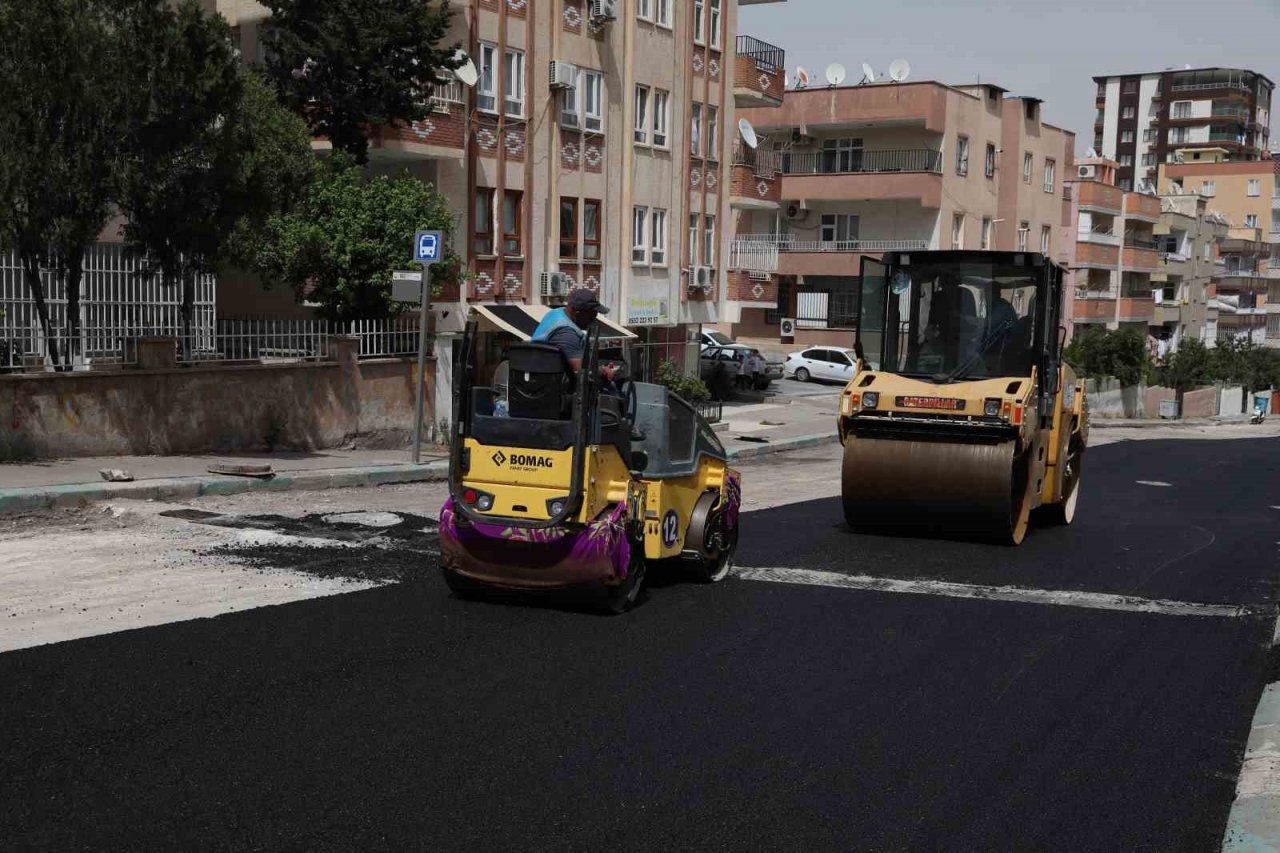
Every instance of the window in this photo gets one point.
(664, 12)
(1024, 228)
(660, 118)
(962, 155)
(1128, 112)
(1026, 167)
(695, 130)
(986, 233)
(593, 99)
(1049, 167)
(591, 230)
(482, 240)
(639, 218)
(644, 9)
(990, 162)
(487, 91)
(1255, 187)
(658, 235)
(568, 228)
(713, 116)
(839, 229)
(1044, 239)
(511, 222)
(514, 96)
(1209, 188)
(1126, 136)
(957, 231)
(697, 21)
(1180, 109)
(642, 114)
(1126, 160)
(715, 23)
(709, 240)
(1251, 220)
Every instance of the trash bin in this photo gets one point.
(1168, 408)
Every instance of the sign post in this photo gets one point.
(426, 251)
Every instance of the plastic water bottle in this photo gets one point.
(500, 408)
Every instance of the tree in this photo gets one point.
(214, 152)
(348, 234)
(348, 67)
(60, 142)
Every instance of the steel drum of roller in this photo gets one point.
(978, 490)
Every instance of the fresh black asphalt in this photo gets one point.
(742, 716)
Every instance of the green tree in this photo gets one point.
(339, 246)
(348, 66)
(61, 141)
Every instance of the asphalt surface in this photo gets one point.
(746, 715)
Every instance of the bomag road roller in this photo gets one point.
(572, 485)
(961, 416)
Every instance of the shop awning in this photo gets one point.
(520, 320)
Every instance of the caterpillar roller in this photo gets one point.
(961, 417)
(557, 483)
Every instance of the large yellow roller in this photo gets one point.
(961, 418)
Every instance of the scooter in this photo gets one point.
(1259, 412)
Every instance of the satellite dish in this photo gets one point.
(802, 77)
(1092, 152)
(748, 133)
(868, 73)
(466, 72)
(835, 74)
(899, 70)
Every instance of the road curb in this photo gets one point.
(781, 445)
(35, 498)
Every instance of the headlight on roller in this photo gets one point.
(991, 408)
(870, 399)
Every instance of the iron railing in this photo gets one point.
(857, 161)
(767, 57)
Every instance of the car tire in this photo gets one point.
(802, 374)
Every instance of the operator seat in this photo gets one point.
(540, 383)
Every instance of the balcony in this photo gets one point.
(1096, 256)
(864, 175)
(758, 78)
(823, 257)
(754, 180)
(1100, 198)
(1145, 208)
(1135, 309)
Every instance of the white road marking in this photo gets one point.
(1153, 483)
(1063, 598)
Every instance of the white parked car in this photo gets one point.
(831, 364)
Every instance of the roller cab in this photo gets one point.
(961, 416)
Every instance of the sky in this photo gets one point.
(1050, 50)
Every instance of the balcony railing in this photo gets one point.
(788, 243)
(753, 255)
(766, 56)
(859, 162)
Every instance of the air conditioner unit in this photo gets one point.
(787, 327)
(564, 75)
(1087, 171)
(553, 285)
(604, 10)
(700, 279)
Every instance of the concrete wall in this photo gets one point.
(211, 409)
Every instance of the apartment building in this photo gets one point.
(1182, 115)
(1247, 195)
(1116, 253)
(847, 172)
(594, 151)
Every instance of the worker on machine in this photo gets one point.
(566, 330)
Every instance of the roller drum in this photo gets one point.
(978, 490)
